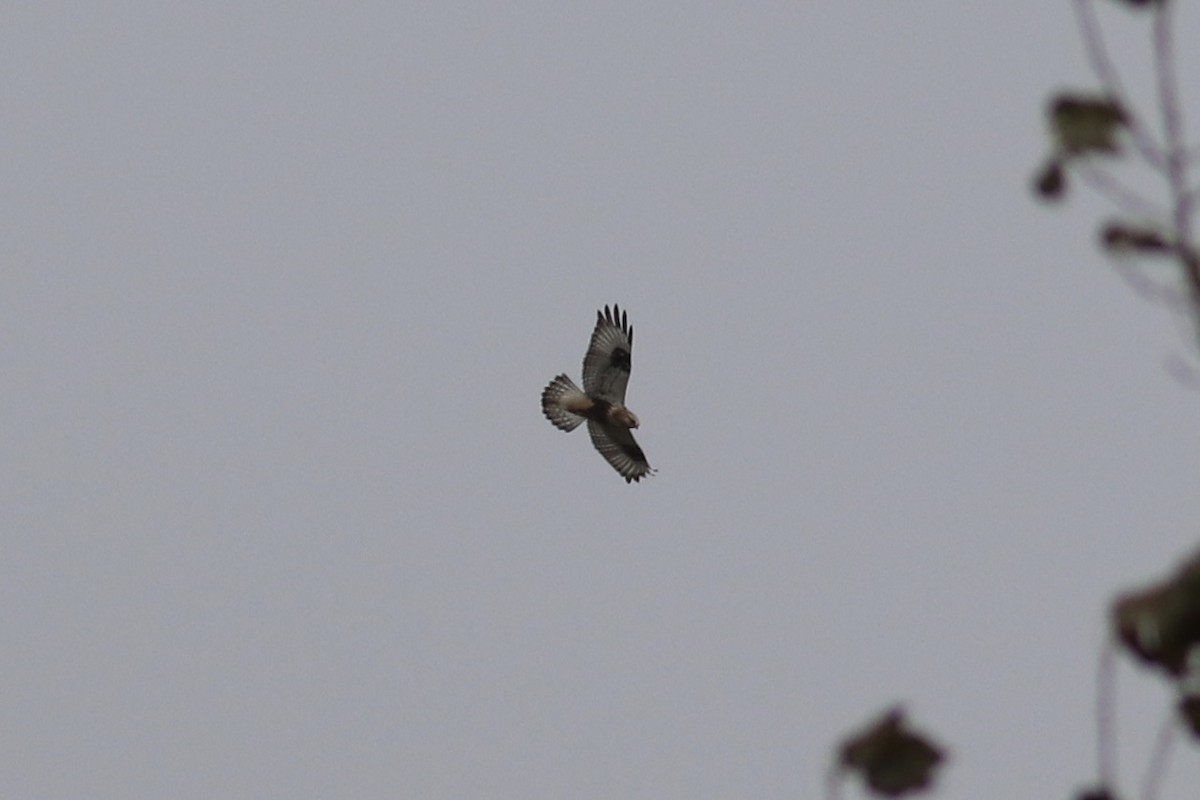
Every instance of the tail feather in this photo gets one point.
(561, 389)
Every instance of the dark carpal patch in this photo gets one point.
(598, 410)
(633, 451)
(620, 359)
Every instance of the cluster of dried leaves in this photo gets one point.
(891, 758)
(1089, 127)
(1081, 125)
(1160, 624)
(1086, 126)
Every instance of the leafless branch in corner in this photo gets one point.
(1157, 767)
(1171, 159)
(1106, 73)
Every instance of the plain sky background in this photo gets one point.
(281, 286)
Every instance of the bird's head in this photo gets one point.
(623, 416)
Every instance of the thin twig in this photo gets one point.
(1106, 700)
(1172, 119)
(1181, 369)
(1158, 292)
(1176, 148)
(1157, 766)
(833, 783)
(1192, 195)
(1121, 196)
(1102, 65)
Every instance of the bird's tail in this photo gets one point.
(555, 399)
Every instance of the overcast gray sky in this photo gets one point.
(282, 518)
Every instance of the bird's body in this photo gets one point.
(601, 401)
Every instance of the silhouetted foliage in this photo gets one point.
(1084, 124)
(1081, 125)
(890, 757)
(1096, 794)
(1051, 182)
(1158, 624)
(1161, 623)
(1189, 709)
(1087, 127)
(1122, 237)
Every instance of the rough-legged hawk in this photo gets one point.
(602, 400)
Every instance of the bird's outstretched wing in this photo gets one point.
(618, 447)
(607, 363)
(557, 400)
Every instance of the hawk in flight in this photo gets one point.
(602, 400)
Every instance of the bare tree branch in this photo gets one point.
(1097, 54)
(1121, 196)
(1172, 120)
(1157, 768)
(1157, 292)
(1106, 703)
(1176, 154)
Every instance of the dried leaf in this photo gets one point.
(1051, 182)
(1119, 236)
(1189, 709)
(1099, 793)
(1189, 692)
(1161, 624)
(891, 758)
(1084, 124)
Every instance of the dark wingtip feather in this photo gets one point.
(614, 316)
